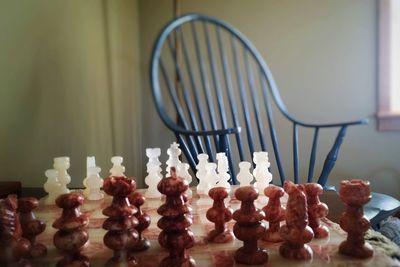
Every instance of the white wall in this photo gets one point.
(323, 57)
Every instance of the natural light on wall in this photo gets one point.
(389, 65)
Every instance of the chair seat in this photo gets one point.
(380, 207)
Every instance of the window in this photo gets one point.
(389, 65)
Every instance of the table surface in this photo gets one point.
(205, 254)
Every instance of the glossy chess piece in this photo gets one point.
(62, 164)
(31, 227)
(121, 221)
(249, 227)
(261, 172)
(274, 213)
(355, 193)
(296, 233)
(137, 199)
(72, 232)
(14, 249)
(176, 219)
(219, 214)
(316, 210)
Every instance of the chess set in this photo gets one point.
(111, 223)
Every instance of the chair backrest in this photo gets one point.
(214, 90)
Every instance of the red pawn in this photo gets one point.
(316, 210)
(219, 214)
(72, 234)
(14, 249)
(355, 194)
(137, 199)
(249, 227)
(31, 227)
(274, 213)
(175, 222)
(120, 223)
(296, 233)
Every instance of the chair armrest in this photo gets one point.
(333, 125)
(179, 130)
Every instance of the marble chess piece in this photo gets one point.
(211, 177)
(223, 171)
(62, 164)
(94, 184)
(173, 161)
(261, 172)
(182, 170)
(52, 186)
(154, 175)
(244, 177)
(201, 173)
(90, 162)
(153, 154)
(117, 170)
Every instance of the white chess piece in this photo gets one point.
(94, 184)
(223, 171)
(182, 170)
(261, 172)
(211, 176)
(52, 186)
(62, 164)
(152, 180)
(244, 176)
(201, 173)
(173, 152)
(117, 169)
(90, 162)
(153, 154)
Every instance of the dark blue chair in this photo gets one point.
(213, 89)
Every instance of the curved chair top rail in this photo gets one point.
(207, 71)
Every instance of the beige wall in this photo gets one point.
(68, 86)
(323, 57)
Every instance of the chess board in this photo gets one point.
(205, 254)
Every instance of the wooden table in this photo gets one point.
(325, 250)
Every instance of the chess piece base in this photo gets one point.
(75, 261)
(141, 245)
(321, 232)
(243, 256)
(295, 253)
(272, 236)
(177, 262)
(216, 237)
(122, 259)
(353, 250)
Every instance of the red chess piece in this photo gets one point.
(31, 227)
(296, 233)
(14, 249)
(121, 223)
(137, 199)
(274, 213)
(355, 194)
(316, 210)
(219, 214)
(72, 234)
(249, 227)
(175, 222)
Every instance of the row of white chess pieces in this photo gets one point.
(209, 174)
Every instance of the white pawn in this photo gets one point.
(223, 169)
(182, 170)
(94, 184)
(211, 177)
(152, 180)
(173, 152)
(117, 169)
(61, 164)
(244, 176)
(261, 172)
(52, 186)
(153, 154)
(90, 162)
(201, 173)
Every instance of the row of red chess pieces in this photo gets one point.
(126, 222)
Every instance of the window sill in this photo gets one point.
(388, 121)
